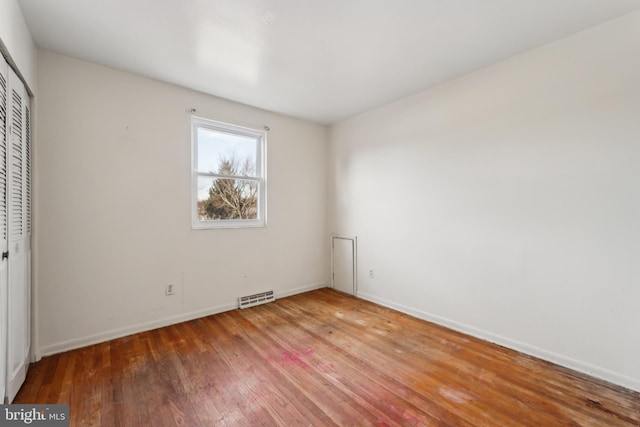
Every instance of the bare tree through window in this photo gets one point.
(231, 198)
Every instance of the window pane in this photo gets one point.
(226, 154)
(228, 174)
(222, 198)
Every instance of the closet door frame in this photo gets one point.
(19, 229)
(4, 274)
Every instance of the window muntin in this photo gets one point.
(228, 187)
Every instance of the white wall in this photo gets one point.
(114, 207)
(507, 203)
(16, 41)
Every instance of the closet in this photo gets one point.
(15, 232)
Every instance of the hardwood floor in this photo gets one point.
(320, 358)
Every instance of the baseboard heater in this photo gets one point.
(257, 299)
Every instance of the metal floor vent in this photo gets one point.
(257, 299)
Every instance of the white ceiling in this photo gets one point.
(321, 60)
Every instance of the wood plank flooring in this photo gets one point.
(320, 358)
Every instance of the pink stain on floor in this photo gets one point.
(296, 356)
(258, 397)
(407, 416)
(412, 418)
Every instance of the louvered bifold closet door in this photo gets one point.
(3, 155)
(15, 149)
(26, 167)
(3, 226)
(19, 245)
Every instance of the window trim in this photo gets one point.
(261, 175)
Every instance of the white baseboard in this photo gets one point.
(303, 289)
(155, 324)
(568, 362)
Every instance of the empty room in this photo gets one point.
(342, 212)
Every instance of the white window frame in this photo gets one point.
(261, 174)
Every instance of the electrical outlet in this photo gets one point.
(168, 290)
(371, 274)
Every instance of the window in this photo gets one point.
(228, 187)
